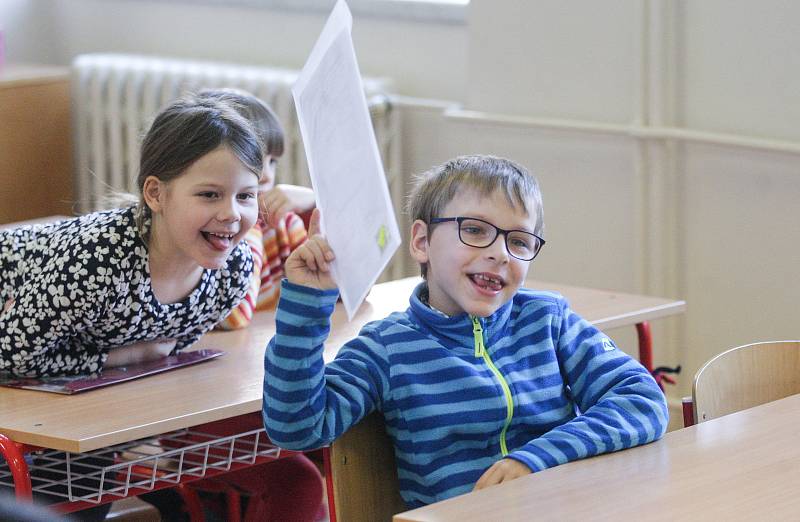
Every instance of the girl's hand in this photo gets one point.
(281, 199)
(308, 264)
(275, 204)
(501, 471)
(140, 352)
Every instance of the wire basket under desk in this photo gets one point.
(142, 465)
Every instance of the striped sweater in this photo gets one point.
(270, 247)
(532, 382)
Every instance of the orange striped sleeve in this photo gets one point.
(243, 313)
(278, 244)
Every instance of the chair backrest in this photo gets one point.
(746, 376)
(364, 474)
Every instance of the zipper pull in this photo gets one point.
(477, 331)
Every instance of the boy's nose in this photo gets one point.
(498, 250)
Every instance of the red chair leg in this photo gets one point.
(645, 345)
(688, 412)
(192, 502)
(326, 457)
(233, 501)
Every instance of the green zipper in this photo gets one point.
(481, 351)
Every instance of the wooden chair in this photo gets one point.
(743, 377)
(362, 474)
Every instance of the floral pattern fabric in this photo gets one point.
(77, 288)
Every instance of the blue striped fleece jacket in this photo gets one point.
(532, 382)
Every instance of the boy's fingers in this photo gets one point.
(327, 253)
(308, 257)
(317, 248)
(490, 477)
(313, 225)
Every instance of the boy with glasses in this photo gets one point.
(479, 380)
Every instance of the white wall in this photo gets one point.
(664, 131)
(28, 25)
(399, 49)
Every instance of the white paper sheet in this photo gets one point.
(346, 171)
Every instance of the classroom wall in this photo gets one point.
(399, 49)
(664, 132)
(28, 30)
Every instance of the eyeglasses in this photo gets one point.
(478, 233)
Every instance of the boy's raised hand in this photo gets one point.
(309, 265)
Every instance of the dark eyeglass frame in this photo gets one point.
(497, 231)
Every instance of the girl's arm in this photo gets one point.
(282, 199)
(301, 198)
(40, 325)
(140, 352)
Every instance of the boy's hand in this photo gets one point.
(501, 471)
(308, 264)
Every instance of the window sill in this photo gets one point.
(452, 12)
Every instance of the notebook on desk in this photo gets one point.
(71, 384)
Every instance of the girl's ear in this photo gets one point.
(419, 244)
(153, 192)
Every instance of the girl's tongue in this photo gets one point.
(216, 241)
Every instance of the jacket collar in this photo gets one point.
(455, 330)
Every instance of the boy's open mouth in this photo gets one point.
(488, 281)
(217, 240)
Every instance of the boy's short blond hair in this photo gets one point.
(435, 188)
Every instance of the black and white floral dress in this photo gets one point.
(82, 286)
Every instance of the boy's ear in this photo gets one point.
(153, 192)
(418, 246)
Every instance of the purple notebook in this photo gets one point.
(81, 383)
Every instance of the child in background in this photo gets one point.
(278, 230)
(138, 283)
(479, 381)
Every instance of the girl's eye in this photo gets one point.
(248, 196)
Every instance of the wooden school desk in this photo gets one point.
(226, 387)
(744, 466)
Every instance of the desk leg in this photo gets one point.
(646, 356)
(326, 457)
(15, 459)
(645, 345)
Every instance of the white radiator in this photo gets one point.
(115, 96)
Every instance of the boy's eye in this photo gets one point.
(208, 194)
(474, 230)
(520, 243)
